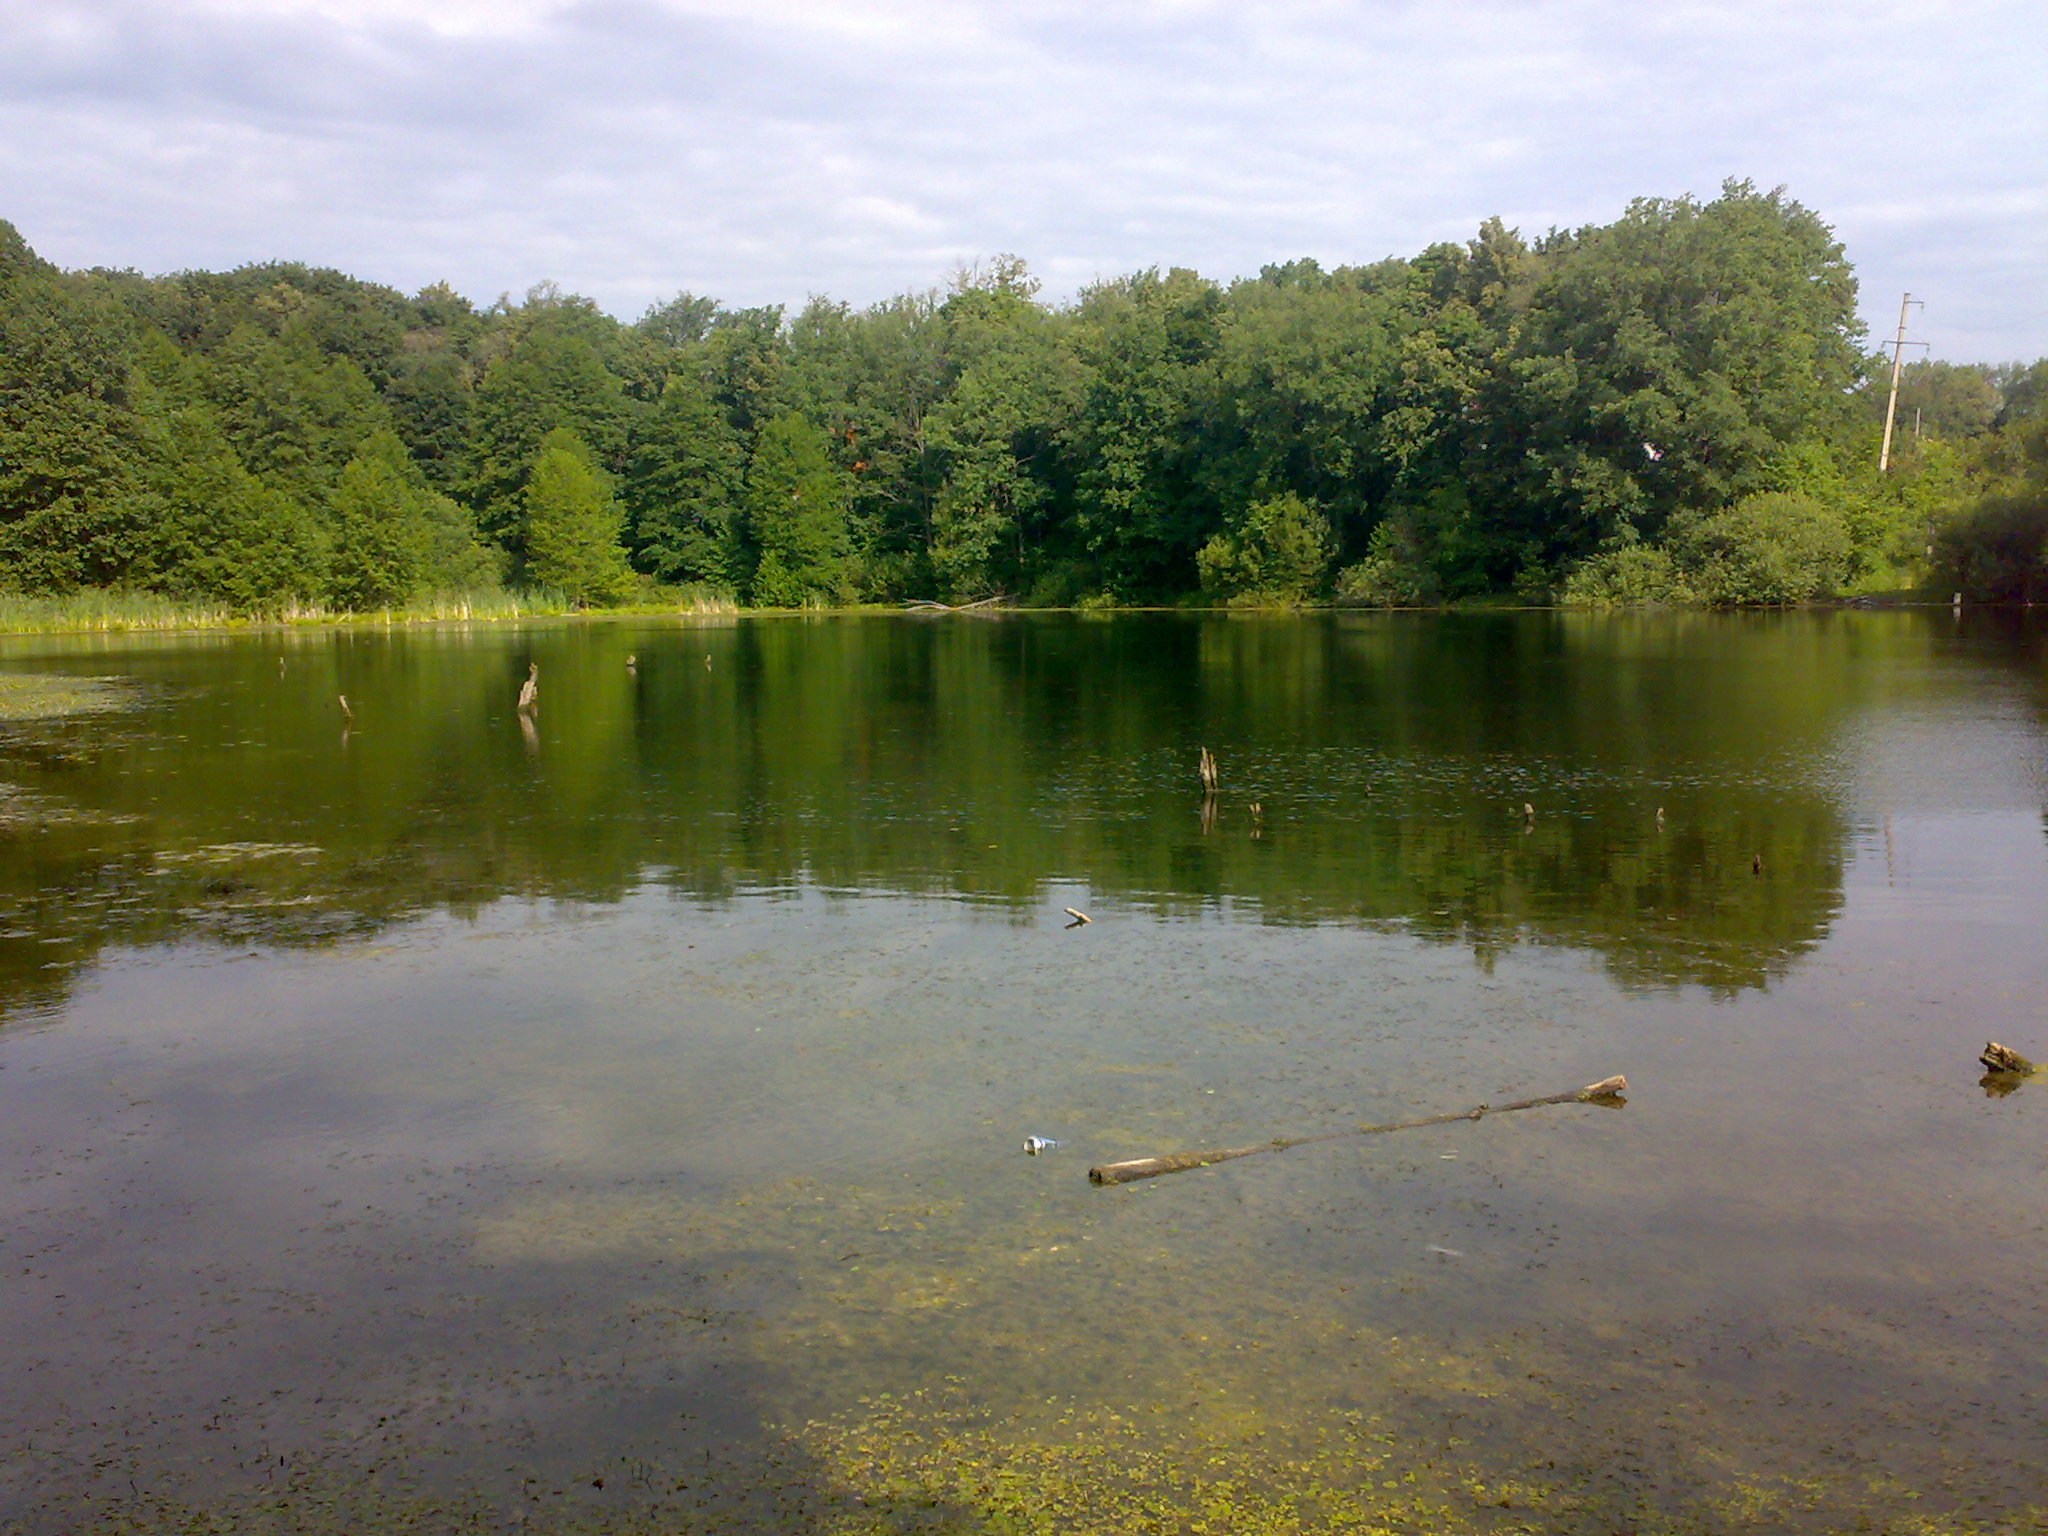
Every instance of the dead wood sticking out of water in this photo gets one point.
(1608, 1090)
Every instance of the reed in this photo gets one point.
(111, 612)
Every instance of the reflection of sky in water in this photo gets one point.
(564, 1183)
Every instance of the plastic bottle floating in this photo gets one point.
(1037, 1144)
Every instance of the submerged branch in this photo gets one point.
(1608, 1090)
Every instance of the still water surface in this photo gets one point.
(421, 1115)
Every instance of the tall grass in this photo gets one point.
(109, 612)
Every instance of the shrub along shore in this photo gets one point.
(1675, 407)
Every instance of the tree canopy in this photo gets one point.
(1502, 416)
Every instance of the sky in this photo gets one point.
(763, 152)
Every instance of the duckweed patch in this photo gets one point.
(917, 1463)
(29, 696)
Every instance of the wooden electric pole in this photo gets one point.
(1891, 408)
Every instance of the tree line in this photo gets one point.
(1676, 405)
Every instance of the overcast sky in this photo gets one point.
(763, 150)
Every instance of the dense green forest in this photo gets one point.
(1675, 406)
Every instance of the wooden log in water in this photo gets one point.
(1607, 1091)
(529, 692)
(933, 605)
(1207, 768)
(2003, 1058)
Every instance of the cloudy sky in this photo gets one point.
(763, 150)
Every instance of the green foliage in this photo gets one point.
(2022, 391)
(69, 429)
(395, 539)
(1630, 576)
(573, 522)
(293, 416)
(797, 505)
(1275, 551)
(683, 482)
(1773, 547)
(1396, 572)
(1481, 420)
(1997, 551)
(1148, 346)
(1662, 363)
(1938, 399)
(553, 377)
(215, 531)
(995, 435)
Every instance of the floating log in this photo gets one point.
(933, 605)
(1078, 918)
(1607, 1091)
(346, 712)
(1207, 768)
(2003, 1058)
(529, 691)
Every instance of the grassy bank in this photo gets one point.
(123, 612)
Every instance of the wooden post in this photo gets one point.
(529, 691)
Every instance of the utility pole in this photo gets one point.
(1891, 409)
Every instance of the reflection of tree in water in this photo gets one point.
(1391, 755)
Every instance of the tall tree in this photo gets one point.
(552, 377)
(69, 430)
(573, 522)
(684, 475)
(797, 505)
(1663, 362)
(1148, 345)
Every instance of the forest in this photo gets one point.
(1679, 406)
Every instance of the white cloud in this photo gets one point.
(761, 150)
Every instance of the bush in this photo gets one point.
(1274, 551)
(1397, 571)
(1997, 551)
(1621, 578)
(1775, 547)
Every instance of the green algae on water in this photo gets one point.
(48, 696)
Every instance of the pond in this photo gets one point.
(423, 1116)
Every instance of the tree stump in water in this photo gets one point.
(2003, 1058)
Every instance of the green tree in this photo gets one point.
(1661, 364)
(70, 433)
(1939, 399)
(394, 538)
(1147, 344)
(210, 528)
(552, 376)
(995, 433)
(797, 506)
(573, 522)
(1274, 551)
(683, 483)
(294, 416)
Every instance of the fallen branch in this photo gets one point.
(1608, 1090)
(933, 605)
